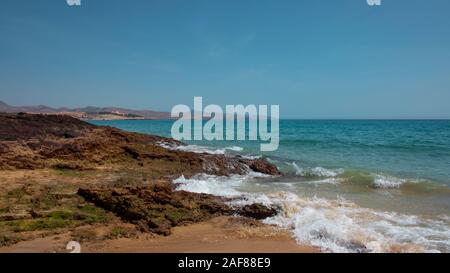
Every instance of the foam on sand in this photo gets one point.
(332, 225)
(342, 226)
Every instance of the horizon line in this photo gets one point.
(281, 118)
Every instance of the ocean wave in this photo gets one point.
(316, 171)
(342, 226)
(331, 180)
(388, 182)
(383, 181)
(209, 184)
(332, 225)
(321, 175)
(251, 157)
(199, 149)
(235, 148)
(216, 185)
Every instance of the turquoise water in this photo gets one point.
(387, 181)
(417, 149)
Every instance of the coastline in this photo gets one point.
(68, 180)
(65, 176)
(222, 234)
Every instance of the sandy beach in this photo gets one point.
(219, 235)
(112, 191)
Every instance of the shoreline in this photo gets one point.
(66, 179)
(82, 175)
(219, 235)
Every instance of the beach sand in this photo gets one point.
(112, 191)
(222, 234)
(219, 235)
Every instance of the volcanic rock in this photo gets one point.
(29, 141)
(257, 211)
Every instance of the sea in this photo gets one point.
(349, 185)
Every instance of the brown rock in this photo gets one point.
(27, 126)
(54, 141)
(262, 166)
(257, 211)
(158, 207)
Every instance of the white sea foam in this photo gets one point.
(235, 148)
(204, 183)
(252, 157)
(199, 149)
(317, 171)
(332, 225)
(217, 185)
(331, 180)
(342, 226)
(192, 148)
(332, 176)
(388, 182)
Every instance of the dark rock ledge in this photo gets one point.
(30, 141)
(158, 207)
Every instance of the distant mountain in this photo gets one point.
(87, 113)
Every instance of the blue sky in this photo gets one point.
(315, 58)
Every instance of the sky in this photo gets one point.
(314, 58)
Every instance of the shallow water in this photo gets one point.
(351, 185)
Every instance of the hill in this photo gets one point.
(87, 113)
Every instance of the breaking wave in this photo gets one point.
(199, 149)
(342, 226)
(316, 171)
(332, 225)
(319, 175)
(216, 185)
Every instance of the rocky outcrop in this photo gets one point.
(257, 211)
(22, 127)
(132, 163)
(50, 141)
(158, 207)
(261, 166)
